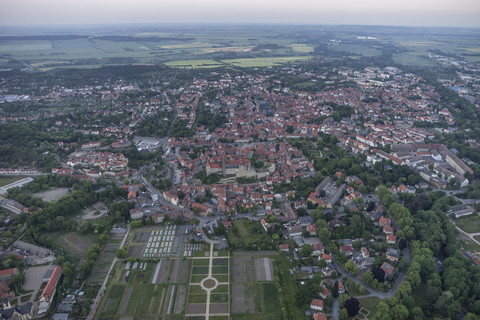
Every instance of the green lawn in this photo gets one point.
(114, 298)
(245, 232)
(223, 288)
(5, 180)
(371, 304)
(219, 298)
(196, 289)
(197, 278)
(201, 262)
(355, 289)
(270, 298)
(197, 298)
(288, 285)
(200, 270)
(469, 224)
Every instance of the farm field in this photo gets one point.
(265, 46)
(74, 243)
(229, 287)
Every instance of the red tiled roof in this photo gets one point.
(52, 283)
(7, 272)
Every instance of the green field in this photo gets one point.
(371, 304)
(114, 298)
(355, 289)
(469, 224)
(245, 232)
(6, 180)
(245, 63)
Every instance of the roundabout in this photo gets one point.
(209, 283)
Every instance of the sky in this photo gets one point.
(446, 13)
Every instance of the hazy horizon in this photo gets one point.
(410, 13)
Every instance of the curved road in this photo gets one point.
(372, 292)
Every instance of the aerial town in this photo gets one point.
(239, 193)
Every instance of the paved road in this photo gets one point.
(372, 292)
(335, 309)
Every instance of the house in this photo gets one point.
(392, 255)
(319, 316)
(312, 229)
(328, 270)
(48, 275)
(335, 223)
(341, 287)
(391, 239)
(384, 221)
(324, 292)
(20, 312)
(347, 249)
(316, 304)
(8, 274)
(388, 230)
(227, 224)
(365, 252)
(327, 258)
(388, 269)
(132, 195)
(294, 231)
(264, 224)
(49, 291)
(318, 249)
(461, 210)
(285, 248)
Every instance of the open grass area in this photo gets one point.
(201, 262)
(469, 224)
(371, 304)
(355, 289)
(270, 298)
(113, 300)
(263, 62)
(205, 63)
(301, 47)
(245, 232)
(288, 285)
(6, 180)
(197, 298)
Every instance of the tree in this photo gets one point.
(349, 266)
(404, 290)
(342, 298)
(417, 313)
(367, 277)
(403, 264)
(378, 274)
(324, 234)
(335, 290)
(343, 314)
(383, 311)
(399, 311)
(402, 244)
(321, 263)
(307, 250)
(353, 306)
